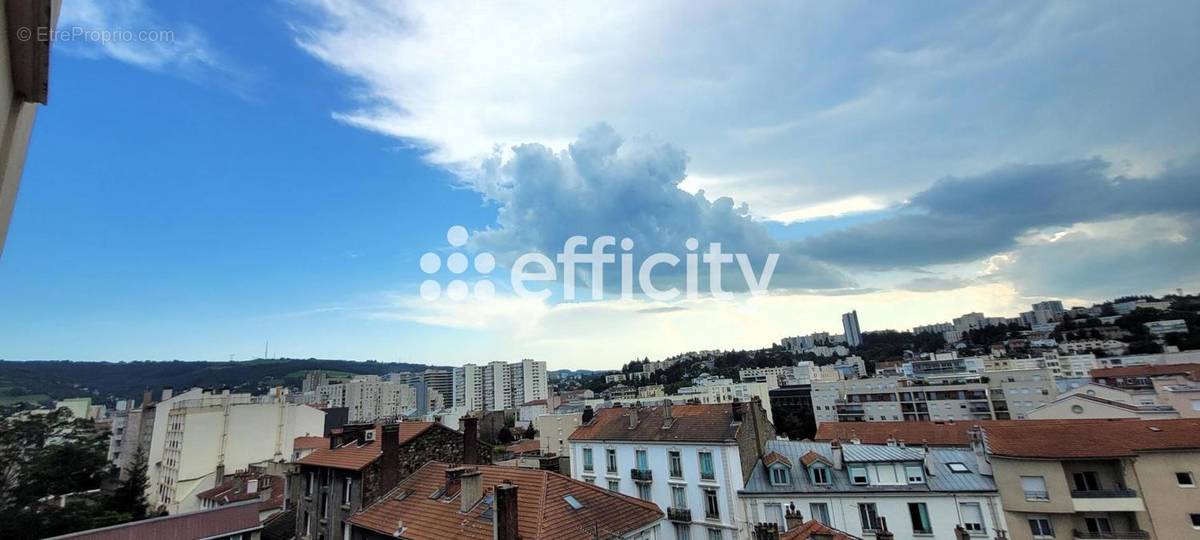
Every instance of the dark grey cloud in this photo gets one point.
(964, 219)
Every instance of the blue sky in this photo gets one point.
(277, 175)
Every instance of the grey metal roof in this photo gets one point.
(938, 477)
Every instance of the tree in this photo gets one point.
(505, 436)
(531, 433)
(130, 497)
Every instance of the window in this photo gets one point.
(712, 509)
(612, 460)
(820, 476)
(347, 487)
(643, 464)
(614, 485)
(957, 467)
(868, 515)
(819, 512)
(715, 534)
(1185, 479)
(1086, 481)
(312, 482)
(915, 474)
(643, 491)
(676, 464)
(919, 514)
(706, 466)
(1098, 525)
(780, 476)
(858, 475)
(325, 505)
(587, 460)
(678, 497)
(1035, 488)
(1040, 526)
(1196, 521)
(774, 513)
(683, 531)
(972, 516)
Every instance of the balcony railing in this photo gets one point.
(683, 515)
(1037, 496)
(1104, 494)
(1113, 535)
(641, 475)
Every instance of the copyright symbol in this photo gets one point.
(23, 33)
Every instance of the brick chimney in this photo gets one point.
(470, 429)
(739, 410)
(792, 517)
(588, 414)
(389, 462)
(472, 489)
(505, 502)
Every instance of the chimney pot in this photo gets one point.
(471, 490)
(633, 417)
(505, 502)
(470, 451)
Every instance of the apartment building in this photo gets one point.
(1118, 480)
(440, 380)
(862, 489)
(1016, 393)
(851, 330)
(801, 373)
(691, 460)
(1081, 405)
(198, 435)
(894, 399)
(364, 462)
(554, 432)
(712, 390)
(498, 385)
(368, 398)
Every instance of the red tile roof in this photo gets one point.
(354, 457)
(1191, 370)
(302, 443)
(811, 457)
(542, 511)
(524, 447)
(693, 423)
(811, 527)
(1066, 440)
(775, 457)
(218, 522)
(233, 489)
(949, 433)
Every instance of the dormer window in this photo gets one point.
(819, 475)
(780, 476)
(858, 475)
(915, 474)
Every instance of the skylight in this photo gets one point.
(957, 467)
(575, 504)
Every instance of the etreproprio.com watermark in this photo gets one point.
(538, 267)
(94, 35)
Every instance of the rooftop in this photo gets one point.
(268, 493)
(689, 423)
(1191, 370)
(303, 443)
(543, 508)
(948, 433)
(219, 522)
(1086, 440)
(355, 456)
(811, 527)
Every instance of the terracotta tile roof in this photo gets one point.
(302, 443)
(1191, 370)
(811, 457)
(524, 447)
(186, 526)
(775, 457)
(1065, 440)
(694, 423)
(233, 489)
(354, 457)
(949, 433)
(811, 527)
(542, 511)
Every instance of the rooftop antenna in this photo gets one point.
(267, 350)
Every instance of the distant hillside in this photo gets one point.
(63, 378)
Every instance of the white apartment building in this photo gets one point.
(1111, 347)
(894, 399)
(775, 377)
(688, 459)
(499, 385)
(851, 330)
(860, 488)
(199, 436)
(713, 390)
(369, 398)
(1162, 328)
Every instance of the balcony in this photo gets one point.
(1037, 496)
(679, 515)
(1107, 500)
(641, 475)
(1111, 535)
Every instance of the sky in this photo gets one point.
(267, 183)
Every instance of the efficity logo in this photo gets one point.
(537, 267)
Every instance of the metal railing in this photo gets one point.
(641, 475)
(679, 514)
(1111, 535)
(1103, 493)
(1037, 496)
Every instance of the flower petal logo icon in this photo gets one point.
(457, 263)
